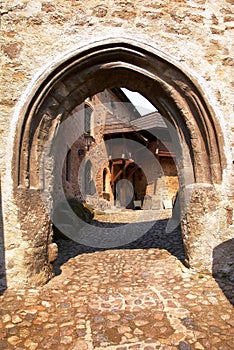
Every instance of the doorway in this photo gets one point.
(179, 99)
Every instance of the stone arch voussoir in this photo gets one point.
(107, 64)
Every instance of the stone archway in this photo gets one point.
(130, 64)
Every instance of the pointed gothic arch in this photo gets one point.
(87, 71)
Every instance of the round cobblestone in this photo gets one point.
(138, 297)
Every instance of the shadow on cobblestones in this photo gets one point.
(223, 268)
(156, 237)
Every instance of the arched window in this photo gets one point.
(104, 179)
(68, 165)
(87, 118)
(90, 188)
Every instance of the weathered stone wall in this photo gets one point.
(197, 33)
(35, 34)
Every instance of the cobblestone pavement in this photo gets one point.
(139, 297)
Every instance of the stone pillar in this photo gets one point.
(29, 249)
(206, 222)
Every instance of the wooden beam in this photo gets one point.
(133, 171)
(114, 178)
(166, 154)
(118, 162)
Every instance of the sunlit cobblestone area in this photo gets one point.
(138, 297)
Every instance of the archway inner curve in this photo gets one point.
(115, 64)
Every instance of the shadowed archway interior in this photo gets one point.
(104, 65)
(115, 65)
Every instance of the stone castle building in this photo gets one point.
(55, 57)
(117, 134)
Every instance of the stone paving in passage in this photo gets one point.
(122, 299)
